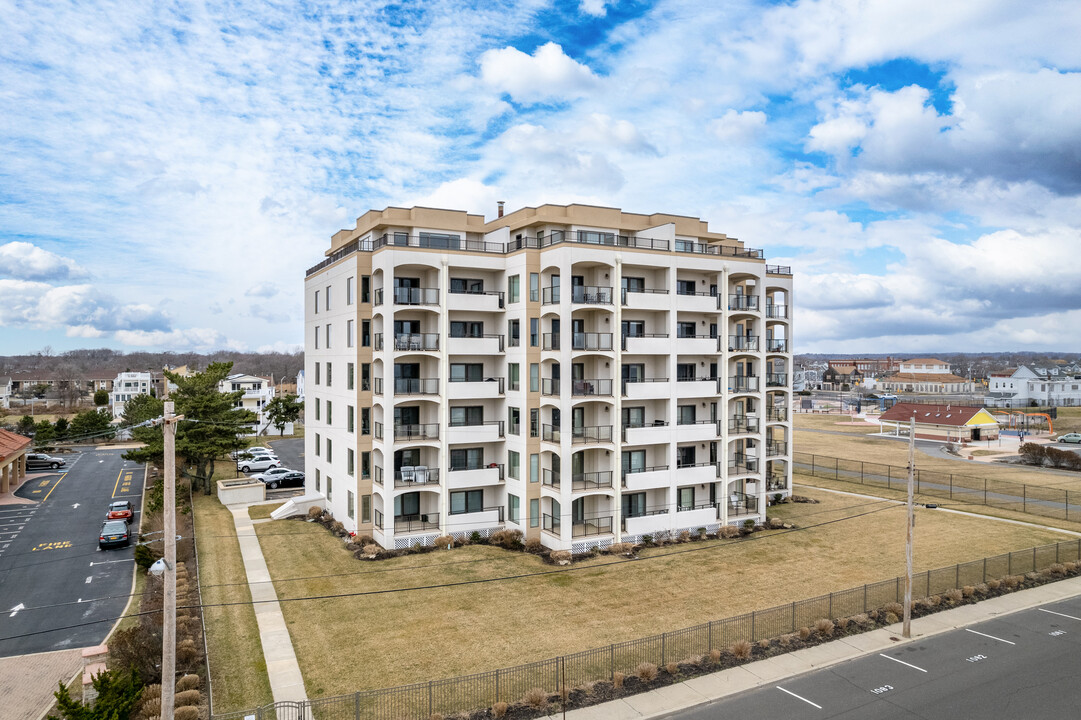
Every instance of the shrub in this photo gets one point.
(1031, 576)
(933, 601)
(764, 644)
(152, 691)
(536, 698)
(804, 633)
(145, 557)
(1070, 566)
(685, 536)
(954, 595)
(186, 713)
(646, 671)
(1011, 581)
(672, 668)
(617, 679)
(728, 532)
(647, 540)
(862, 619)
(748, 524)
(444, 541)
(499, 709)
(620, 548)
(1057, 569)
(891, 618)
(894, 608)
(786, 639)
(702, 533)
(741, 649)
(337, 528)
(1032, 453)
(509, 539)
(778, 498)
(372, 549)
(715, 655)
(824, 627)
(187, 682)
(187, 697)
(315, 513)
(994, 584)
(362, 540)
(842, 623)
(562, 557)
(137, 647)
(967, 591)
(534, 545)
(475, 538)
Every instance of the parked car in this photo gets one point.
(280, 476)
(1071, 438)
(114, 533)
(253, 451)
(121, 510)
(258, 463)
(41, 461)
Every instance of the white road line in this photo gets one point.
(990, 636)
(1052, 612)
(89, 579)
(798, 697)
(903, 663)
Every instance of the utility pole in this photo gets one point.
(168, 614)
(909, 525)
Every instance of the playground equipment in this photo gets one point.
(1018, 419)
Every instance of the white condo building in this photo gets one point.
(582, 374)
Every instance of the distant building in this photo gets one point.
(924, 375)
(841, 377)
(868, 366)
(258, 391)
(127, 385)
(948, 423)
(1026, 386)
(300, 386)
(5, 391)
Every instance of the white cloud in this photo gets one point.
(26, 261)
(596, 8)
(203, 339)
(736, 126)
(547, 74)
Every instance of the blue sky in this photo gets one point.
(170, 169)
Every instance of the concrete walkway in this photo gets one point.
(27, 682)
(286, 682)
(718, 686)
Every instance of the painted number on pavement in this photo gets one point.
(58, 545)
(883, 689)
(976, 658)
(1056, 633)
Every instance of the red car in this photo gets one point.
(121, 510)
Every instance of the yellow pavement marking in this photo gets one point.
(117, 483)
(57, 545)
(43, 483)
(53, 487)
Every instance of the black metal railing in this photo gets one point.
(743, 342)
(487, 336)
(497, 293)
(498, 424)
(549, 477)
(743, 383)
(550, 341)
(377, 385)
(551, 523)
(740, 504)
(592, 526)
(377, 430)
(630, 381)
(645, 291)
(640, 513)
(592, 480)
(416, 296)
(777, 311)
(625, 338)
(591, 295)
(680, 465)
(420, 475)
(591, 434)
(777, 345)
(636, 470)
(378, 518)
(776, 483)
(416, 341)
(377, 475)
(591, 341)
(487, 466)
(776, 448)
(549, 386)
(601, 386)
(498, 380)
(743, 424)
(416, 386)
(419, 522)
(778, 270)
(777, 414)
(739, 301)
(426, 431)
(742, 465)
(776, 380)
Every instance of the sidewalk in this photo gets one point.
(27, 682)
(718, 686)
(286, 682)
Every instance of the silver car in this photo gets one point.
(258, 463)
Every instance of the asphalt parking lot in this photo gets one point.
(53, 578)
(1020, 665)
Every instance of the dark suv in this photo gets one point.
(114, 533)
(41, 461)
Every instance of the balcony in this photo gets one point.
(651, 434)
(776, 483)
(416, 386)
(777, 414)
(550, 295)
(586, 434)
(551, 523)
(421, 522)
(743, 383)
(583, 482)
(415, 342)
(742, 303)
(550, 433)
(696, 344)
(697, 431)
(742, 343)
(489, 517)
(743, 424)
(777, 380)
(592, 526)
(645, 299)
(550, 341)
(776, 449)
(696, 301)
(377, 430)
(475, 301)
(647, 344)
(779, 270)
(487, 431)
(475, 389)
(591, 295)
(583, 388)
(696, 473)
(377, 386)
(591, 341)
(405, 433)
(741, 504)
(646, 478)
(779, 312)
(647, 522)
(549, 478)
(470, 477)
(646, 389)
(697, 387)
(697, 515)
(742, 465)
(475, 345)
(415, 475)
(377, 475)
(776, 345)
(416, 296)
(549, 386)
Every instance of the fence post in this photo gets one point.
(896, 588)
(429, 698)
(709, 636)
(497, 685)
(1033, 558)
(1067, 504)
(865, 597)
(612, 662)
(831, 605)
(664, 647)
(957, 575)
(356, 706)
(793, 617)
(985, 495)
(985, 568)
(951, 486)
(836, 468)
(812, 465)
(1009, 563)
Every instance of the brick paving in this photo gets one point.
(27, 682)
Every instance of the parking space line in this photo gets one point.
(990, 636)
(1052, 612)
(798, 697)
(54, 487)
(903, 662)
(117, 483)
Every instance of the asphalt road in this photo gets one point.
(1022, 665)
(290, 452)
(50, 555)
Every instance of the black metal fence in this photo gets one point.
(481, 690)
(1003, 494)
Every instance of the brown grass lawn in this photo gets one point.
(237, 669)
(404, 637)
(831, 422)
(1069, 420)
(260, 512)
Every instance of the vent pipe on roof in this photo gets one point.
(499, 214)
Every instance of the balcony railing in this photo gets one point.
(377, 475)
(743, 383)
(743, 302)
(478, 337)
(680, 465)
(592, 526)
(428, 431)
(550, 295)
(693, 336)
(416, 341)
(625, 338)
(740, 465)
(633, 425)
(497, 293)
(777, 345)
(416, 296)
(419, 475)
(649, 291)
(777, 311)
(550, 523)
(600, 386)
(416, 386)
(644, 469)
(549, 386)
(640, 513)
(696, 506)
(591, 295)
(550, 433)
(591, 341)
(378, 297)
(629, 381)
(774, 449)
(550, 341)
(377, 430)
(776, 483)
(467, 468)
(741, 504)
(592, 480)
(743, 424)
(419, 522)
(591, 434)
(499, 424)
(776, 380)
(377, 385)
(494, 508)
(778, 270)
(743, 342)
(777, 414)
(378, 518)
(549, 478)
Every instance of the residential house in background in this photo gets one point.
(1026, 386)
(579, 373)
(841, 377)
(300, 386)
(5, 391)
(868, 366)
(258, 391)
(127, 385)
(923, 375)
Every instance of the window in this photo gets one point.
(534, 513)
(464, 329)
(365, 377)
(329, 372)
(534, 377)
(365, 421)
(316, 337)
(466, 416)
(365, 333)
(365, 464)
(534, 287)
(513, 464)
(534, 332)
(469, 286)
(685, 371)
(466, 372)
(634, 504)
(365, 288)
(330, 450)
(634, 461)
(365, 508)
(349, 505)
(686, 498)
(685, 456)
(318, 405)
(633, 284)
(514, 419)
(513, 288)
(318, 443)
(349, 290)
(328, 336)
(350, 333)
(466, 501)
(349, 418)
(330, 413)
(513, 508)
(317, 304)
(534, 468)
(685, 415)
(514, 333)
(317, 481)
(513, 380)
(349, 374)
(466, 459)
(349, 459)
(534, 422)
(317, 373)
(685, 329)
(684, 287)
(330, 488)
(634, 416)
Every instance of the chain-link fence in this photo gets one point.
(481, 690)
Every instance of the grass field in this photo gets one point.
(448, 631)
(1068, 421)
(832, 423)
(237, 669)
(260, 512)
